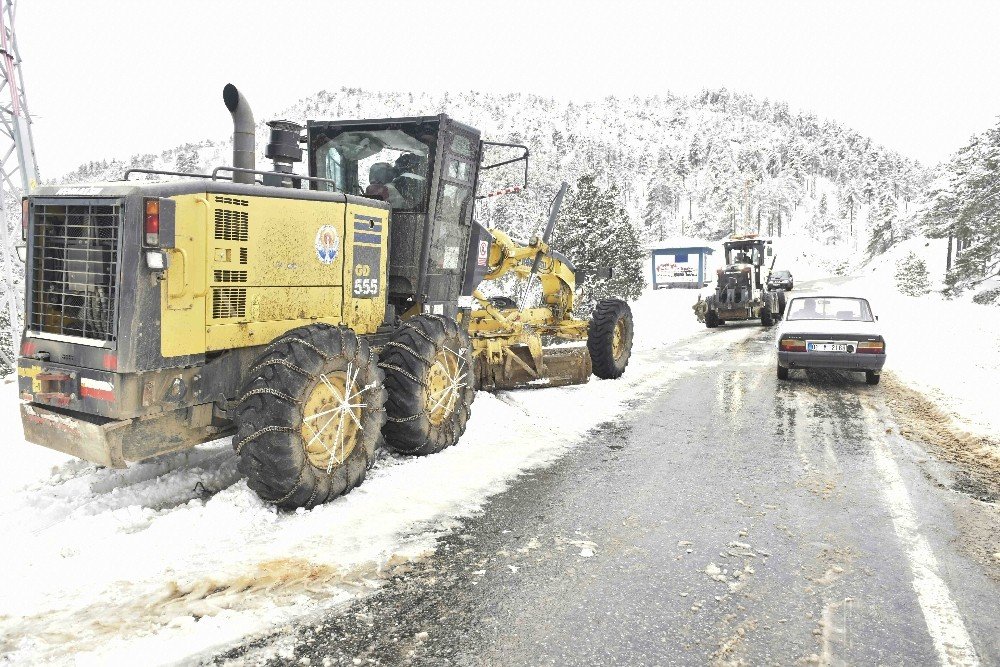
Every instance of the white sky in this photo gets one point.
(111, 78)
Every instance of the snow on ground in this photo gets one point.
(176, 556)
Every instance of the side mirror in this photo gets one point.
(22, 253)
(876, 318)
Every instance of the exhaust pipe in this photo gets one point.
(243, 133)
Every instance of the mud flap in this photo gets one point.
(113, 443)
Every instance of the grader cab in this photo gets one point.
(314, 317)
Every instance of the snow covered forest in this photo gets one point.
(964, 207)
(701, 166)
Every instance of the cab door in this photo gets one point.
(458, 151)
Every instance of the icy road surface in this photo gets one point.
(693, 511)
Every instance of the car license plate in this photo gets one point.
(826, 347)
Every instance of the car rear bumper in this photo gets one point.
(832, 360)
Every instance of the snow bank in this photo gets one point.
(176, 556)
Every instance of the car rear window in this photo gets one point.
(829, 308)
(782, 274)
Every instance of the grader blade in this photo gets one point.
(560, 366)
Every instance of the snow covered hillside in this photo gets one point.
(703, 165)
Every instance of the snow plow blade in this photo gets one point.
(109, 442)
(560, 366)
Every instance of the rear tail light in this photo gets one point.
(24, 218)
(792, 345)
(871, 347)
(152, 224)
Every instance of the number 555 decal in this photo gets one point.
(365, 276)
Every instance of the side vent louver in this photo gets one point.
(243, 255)
(227, 276)
(229, 302)
(231, 201)
(230, 225)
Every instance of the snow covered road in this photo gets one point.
(175, 558)
(730, 519)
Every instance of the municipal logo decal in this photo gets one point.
(327, 244)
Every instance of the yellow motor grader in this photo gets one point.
(315, 317)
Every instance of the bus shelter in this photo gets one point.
(674, 265)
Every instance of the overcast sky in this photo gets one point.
(111, 78)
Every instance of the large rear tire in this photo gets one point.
(766, 318)
(609, 338)
(430, 380)
(310, 416)
(711, 319)
(782, 373)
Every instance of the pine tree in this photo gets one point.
(967, 207)
(595, 232)
(911, 276)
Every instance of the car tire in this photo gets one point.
(766, 318)
(782, 373)
(711, 319)
(871, 377)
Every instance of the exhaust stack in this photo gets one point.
(243, 133)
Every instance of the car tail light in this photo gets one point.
(792, 345)
(24, 218)
(871, 347)
(152, 224)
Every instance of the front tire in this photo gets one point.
(310, 417)
(429, 377)
(873, 378)
(609, 338)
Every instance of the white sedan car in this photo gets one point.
(830, 332)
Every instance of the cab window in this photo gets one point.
(391, 165)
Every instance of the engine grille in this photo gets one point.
(74, 269)
(229, 302)
(231, 225)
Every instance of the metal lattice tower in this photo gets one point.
(18, 171)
